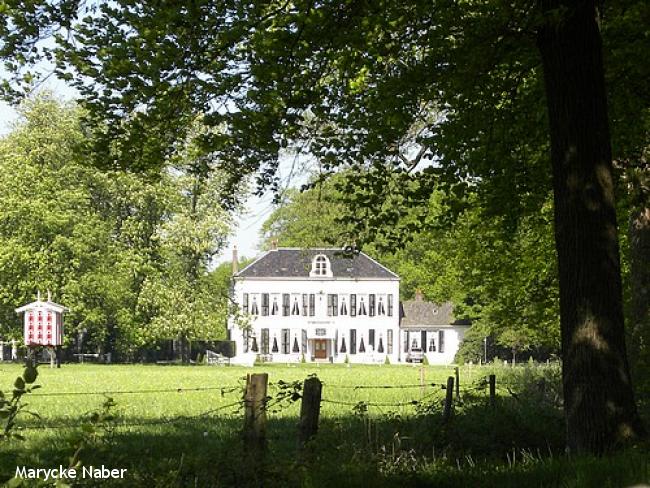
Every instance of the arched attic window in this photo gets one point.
(320, 266)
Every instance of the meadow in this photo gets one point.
(181, 426)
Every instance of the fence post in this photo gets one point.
(493, 382)
(309, 410)
(449, 399)
(457, 384)
(255, 411)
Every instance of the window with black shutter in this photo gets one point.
(304, 342)
(265, 303)
(353, 341)
(441, 341)
(285, 304)
(332, 305)
(247, 338)
(245, 303)
(353, 307)
(389, 341)
(380, 307)
(305, 304)
(265, 341)
(371, 305)
(285, 341)
(312, 305)
(371, 338)
(406, 342)
(390, 305)
(423, 340)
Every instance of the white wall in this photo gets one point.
(321, 287)
(453, 337)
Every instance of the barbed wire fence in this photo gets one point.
(255, 403)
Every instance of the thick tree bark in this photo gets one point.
(598, 397)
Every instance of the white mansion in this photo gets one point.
(329, 305)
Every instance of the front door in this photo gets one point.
(320, 349)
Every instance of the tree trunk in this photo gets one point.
(598, 398)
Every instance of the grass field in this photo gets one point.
(191, 437)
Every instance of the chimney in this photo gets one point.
(274, 245)
(418, 295)
(235, 260)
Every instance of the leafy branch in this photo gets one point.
(11, 408)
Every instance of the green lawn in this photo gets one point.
(175, 438)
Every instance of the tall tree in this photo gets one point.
(591, 302)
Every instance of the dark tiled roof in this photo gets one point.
(296, 263)
(416, 314)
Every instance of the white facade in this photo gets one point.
(327, 311)
(447, 338)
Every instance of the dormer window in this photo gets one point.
(320, 266)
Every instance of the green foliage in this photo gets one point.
(128, 254)
(11, 408)
(307, 219)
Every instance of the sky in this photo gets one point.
(249, 223)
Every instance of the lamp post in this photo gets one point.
(81, 337)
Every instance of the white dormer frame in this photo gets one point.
(321, 267)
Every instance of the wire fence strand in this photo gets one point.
(224, 390)
(159, 421)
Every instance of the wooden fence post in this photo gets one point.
(449, 399)
(255, 411)
(457, 384)
(309, 410)
(493, 382)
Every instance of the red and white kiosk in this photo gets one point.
(43, 324)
